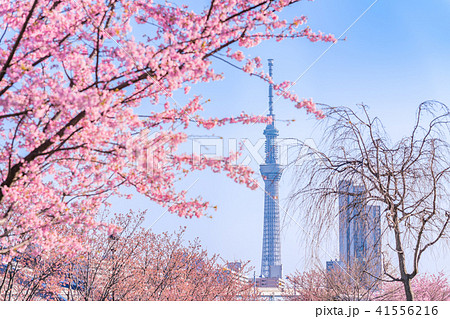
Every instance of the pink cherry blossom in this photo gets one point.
(81, 99)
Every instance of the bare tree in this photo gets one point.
(408, 179)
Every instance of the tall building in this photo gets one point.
(271, 172)
(373, 240)
(359, 229)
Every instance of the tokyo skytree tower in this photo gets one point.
(271, 172)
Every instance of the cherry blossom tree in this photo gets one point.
(140, 265)
(135, 264)
(426, 287)
(71, 78)
(32, 277)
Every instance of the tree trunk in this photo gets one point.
(401, 259)
(408, 292)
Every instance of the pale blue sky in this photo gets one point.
(395, 57)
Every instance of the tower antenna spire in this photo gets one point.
(271, 89)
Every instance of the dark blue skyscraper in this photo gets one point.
(271, 173)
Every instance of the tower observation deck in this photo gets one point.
(271, 172)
